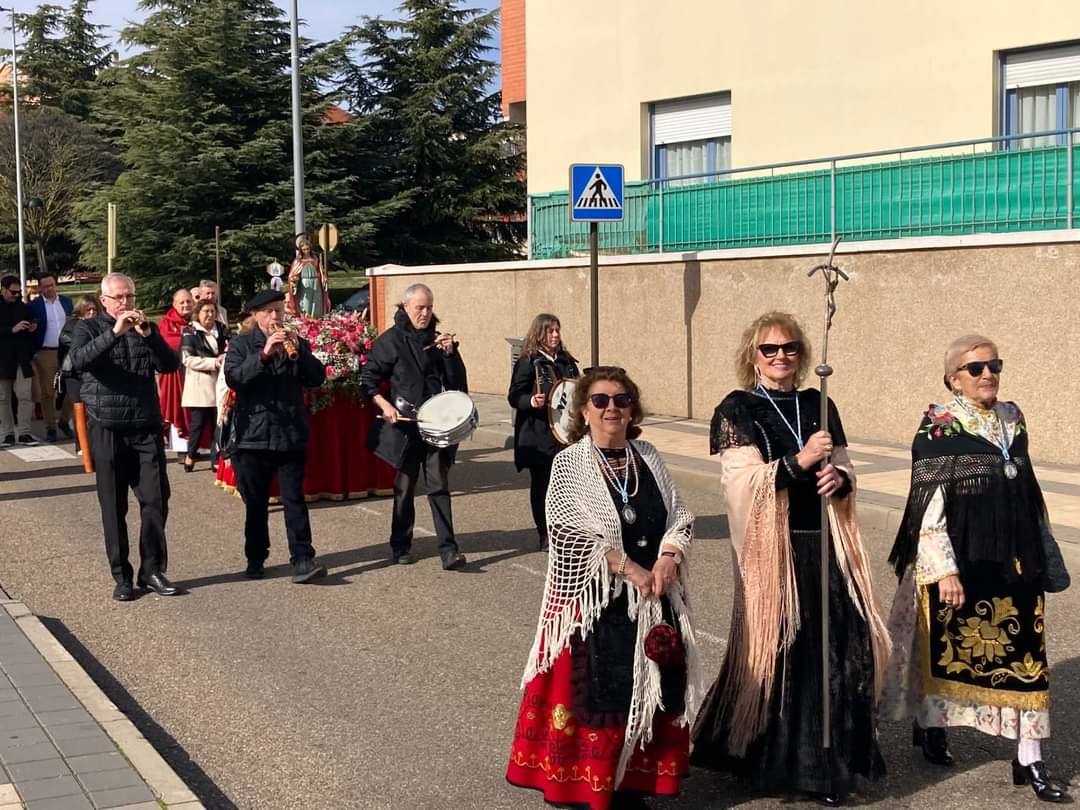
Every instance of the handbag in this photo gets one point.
(664, 645)
(1055, 578)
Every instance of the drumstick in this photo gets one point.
(406, 419)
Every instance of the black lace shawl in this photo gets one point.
(989, 517)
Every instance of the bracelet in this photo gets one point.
(621, 572)
(673, 556)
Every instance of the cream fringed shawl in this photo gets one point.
(583, 527)
(765, 615)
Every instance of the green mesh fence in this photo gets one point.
(983, 192)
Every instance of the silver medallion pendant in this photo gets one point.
(642, 543)
(630, 516)
(1010, 470)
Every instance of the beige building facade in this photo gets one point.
(799, 80)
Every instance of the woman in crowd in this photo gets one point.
(974, 556)
(544, 362)
(203, 353)
(173, 324)
(763, 717)
(68, 381)
(614, 642)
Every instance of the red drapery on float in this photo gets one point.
(339, 465)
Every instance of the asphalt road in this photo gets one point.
(387, 686)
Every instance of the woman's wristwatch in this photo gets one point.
(676, 556)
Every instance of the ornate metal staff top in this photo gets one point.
(832, 275)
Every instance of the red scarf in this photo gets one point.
(172, 327)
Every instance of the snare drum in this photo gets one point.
(447, 419)
(560, 410)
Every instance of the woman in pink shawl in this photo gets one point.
(762, 719)
(171, 385)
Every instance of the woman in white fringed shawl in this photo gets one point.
(763, 717)
(611, 685)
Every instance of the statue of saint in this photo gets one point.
(307, 293)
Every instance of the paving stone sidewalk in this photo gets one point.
(54, 754)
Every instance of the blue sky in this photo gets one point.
(324, 19)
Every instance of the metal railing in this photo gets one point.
(987, 185)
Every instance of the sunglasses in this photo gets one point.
(975, 367)
(790, 349)
(600, 401)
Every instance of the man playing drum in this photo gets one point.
(417, 362)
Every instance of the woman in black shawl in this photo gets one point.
(967, 623)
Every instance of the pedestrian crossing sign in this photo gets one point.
(596, 192)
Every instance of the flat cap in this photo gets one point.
(262, 298)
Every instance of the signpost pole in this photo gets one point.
(594, 290)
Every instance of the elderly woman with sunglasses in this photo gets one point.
(611, 682)
(762, 719)
(972, 557)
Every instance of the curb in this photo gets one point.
(148, 763)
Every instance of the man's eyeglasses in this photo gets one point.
(790, 349)
(975, 367)
(600, 401)
(124, 297)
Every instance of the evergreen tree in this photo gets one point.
(425, 81)
(87, 53)
(43, 69)
(202, 113)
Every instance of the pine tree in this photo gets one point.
(425, 81)
(86, 53)
(203, 115)
(43, 71)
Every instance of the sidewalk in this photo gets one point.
(884, 470)
(63, 744)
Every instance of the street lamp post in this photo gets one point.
(298, 126)
(18, 151)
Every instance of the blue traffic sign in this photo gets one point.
(596, 192)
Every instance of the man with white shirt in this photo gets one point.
(51, 312)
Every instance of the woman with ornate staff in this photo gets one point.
(974, 555)
(762, 717)
(173, 325)
(544, 362)
(611, 683)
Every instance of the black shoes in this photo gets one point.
(404, 558)
(159, 585)
(189, 464)
(9, 440)
(50, 435)
(307, 570)
(828, 799)
(934, 744)
(123, 592)
(454, 561)
(28, 439)
(1035, 774)
(65, 428)
(254, 570)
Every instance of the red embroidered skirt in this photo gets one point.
(576, 764)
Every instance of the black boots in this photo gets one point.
(934, 744)
(1036, 775)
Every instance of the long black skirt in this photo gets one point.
(788, 757)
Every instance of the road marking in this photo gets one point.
(420, 530)
(526, 568)
(367, 510)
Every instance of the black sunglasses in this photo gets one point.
(790, 349)
(600, 401)
(975, 367)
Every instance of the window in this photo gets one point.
(1042, 93)
(691, 136)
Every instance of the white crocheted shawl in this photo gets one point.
(583, 527)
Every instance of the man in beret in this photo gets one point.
(269, 369)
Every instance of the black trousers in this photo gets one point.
(255, 471)
(539, 478)
(200, 422)
(135, 461)
(437, 478)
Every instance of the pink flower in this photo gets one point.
(331, 372)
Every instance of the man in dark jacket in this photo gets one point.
(117, 354)
(51, 311)
(17, 339)
(268, 370)
(417, 362)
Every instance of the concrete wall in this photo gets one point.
(807, 79)
(674, 325)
